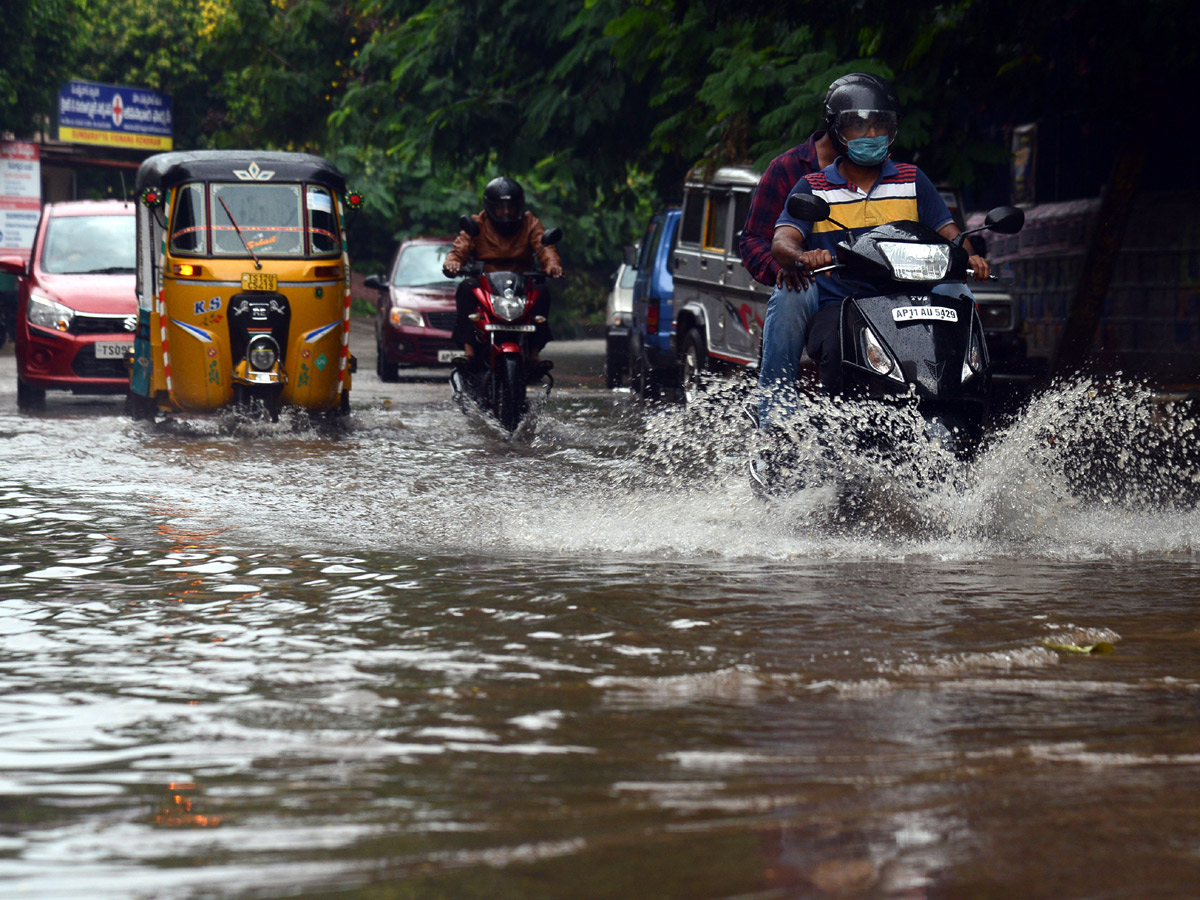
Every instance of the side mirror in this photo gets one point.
(1005, 220)
(630, 255)
(469, 225)
(13, 265)
(376, 282)
(807, 208)
(553, 236)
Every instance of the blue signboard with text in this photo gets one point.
(112, 115)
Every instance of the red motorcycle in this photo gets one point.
(506, 319)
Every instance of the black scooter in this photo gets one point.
(899, 340)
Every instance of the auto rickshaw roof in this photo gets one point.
(165, 170)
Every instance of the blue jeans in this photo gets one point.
(785, 328)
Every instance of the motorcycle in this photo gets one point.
(505, 318)
(902, 338)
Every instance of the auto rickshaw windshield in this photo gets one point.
(266, 219)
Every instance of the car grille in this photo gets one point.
(87, 366)
(443, 321)
(88, 324)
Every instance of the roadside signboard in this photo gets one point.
(109, 115)
(20, 196)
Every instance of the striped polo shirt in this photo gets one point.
(902, 192)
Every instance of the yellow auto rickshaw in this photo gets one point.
(243, 284)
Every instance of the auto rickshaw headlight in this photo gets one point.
(47, 313)
(263, 353)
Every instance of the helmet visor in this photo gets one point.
(860, 123)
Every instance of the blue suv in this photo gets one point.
(653, 358)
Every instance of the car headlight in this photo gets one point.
(916, 262)
(508, 305)
(263, 353)
(47, 313)
(410, 318)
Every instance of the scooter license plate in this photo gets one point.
(492, 327)
(259, 281)
(112, 349)
(445, 356)
(924, 314)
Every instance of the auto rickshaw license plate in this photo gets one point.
(259, 281)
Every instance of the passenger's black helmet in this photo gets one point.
(859, 92)
(504, 204)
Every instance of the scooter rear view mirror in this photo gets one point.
(469, 225)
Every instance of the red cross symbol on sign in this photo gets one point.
(118, 110)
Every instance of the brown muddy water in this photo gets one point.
(412, 659)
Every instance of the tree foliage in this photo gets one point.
(600, 107)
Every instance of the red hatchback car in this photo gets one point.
(415, 309)
(76, 301)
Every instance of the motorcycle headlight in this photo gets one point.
(508, 305)
(47, 313)
(407, 317)
(916, 262)
(262, 353)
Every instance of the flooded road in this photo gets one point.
(411, 659)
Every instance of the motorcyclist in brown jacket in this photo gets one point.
(510, 239)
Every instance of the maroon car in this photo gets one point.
(76, 301)
(415, 309)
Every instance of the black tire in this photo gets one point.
(387, 371)
(30, 398)
(616, 363)
(510, 393)
(344, 403)
(693, 362)
(257, 404)
(641, 379)
(140, 408)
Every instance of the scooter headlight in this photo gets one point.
(508, 305)
(47, 313)
(263, 353)
(916, 262)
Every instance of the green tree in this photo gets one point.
(37, 50)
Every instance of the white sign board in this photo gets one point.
(20, 196)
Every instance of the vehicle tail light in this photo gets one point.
(186, 270)
(652, 314)
(328, 272)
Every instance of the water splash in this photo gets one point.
(1088, 464)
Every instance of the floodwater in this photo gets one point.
(412, 659)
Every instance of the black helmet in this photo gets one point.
(851, 98)
(504, 203)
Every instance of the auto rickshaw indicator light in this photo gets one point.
(186, 270)
(152, 197)
(353, 199)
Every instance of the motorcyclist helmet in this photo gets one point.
(504, 204)
(864, 109)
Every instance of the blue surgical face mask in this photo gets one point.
(868, 151)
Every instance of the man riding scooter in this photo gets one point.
(509, 239)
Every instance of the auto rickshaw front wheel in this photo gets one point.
(257, 403)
